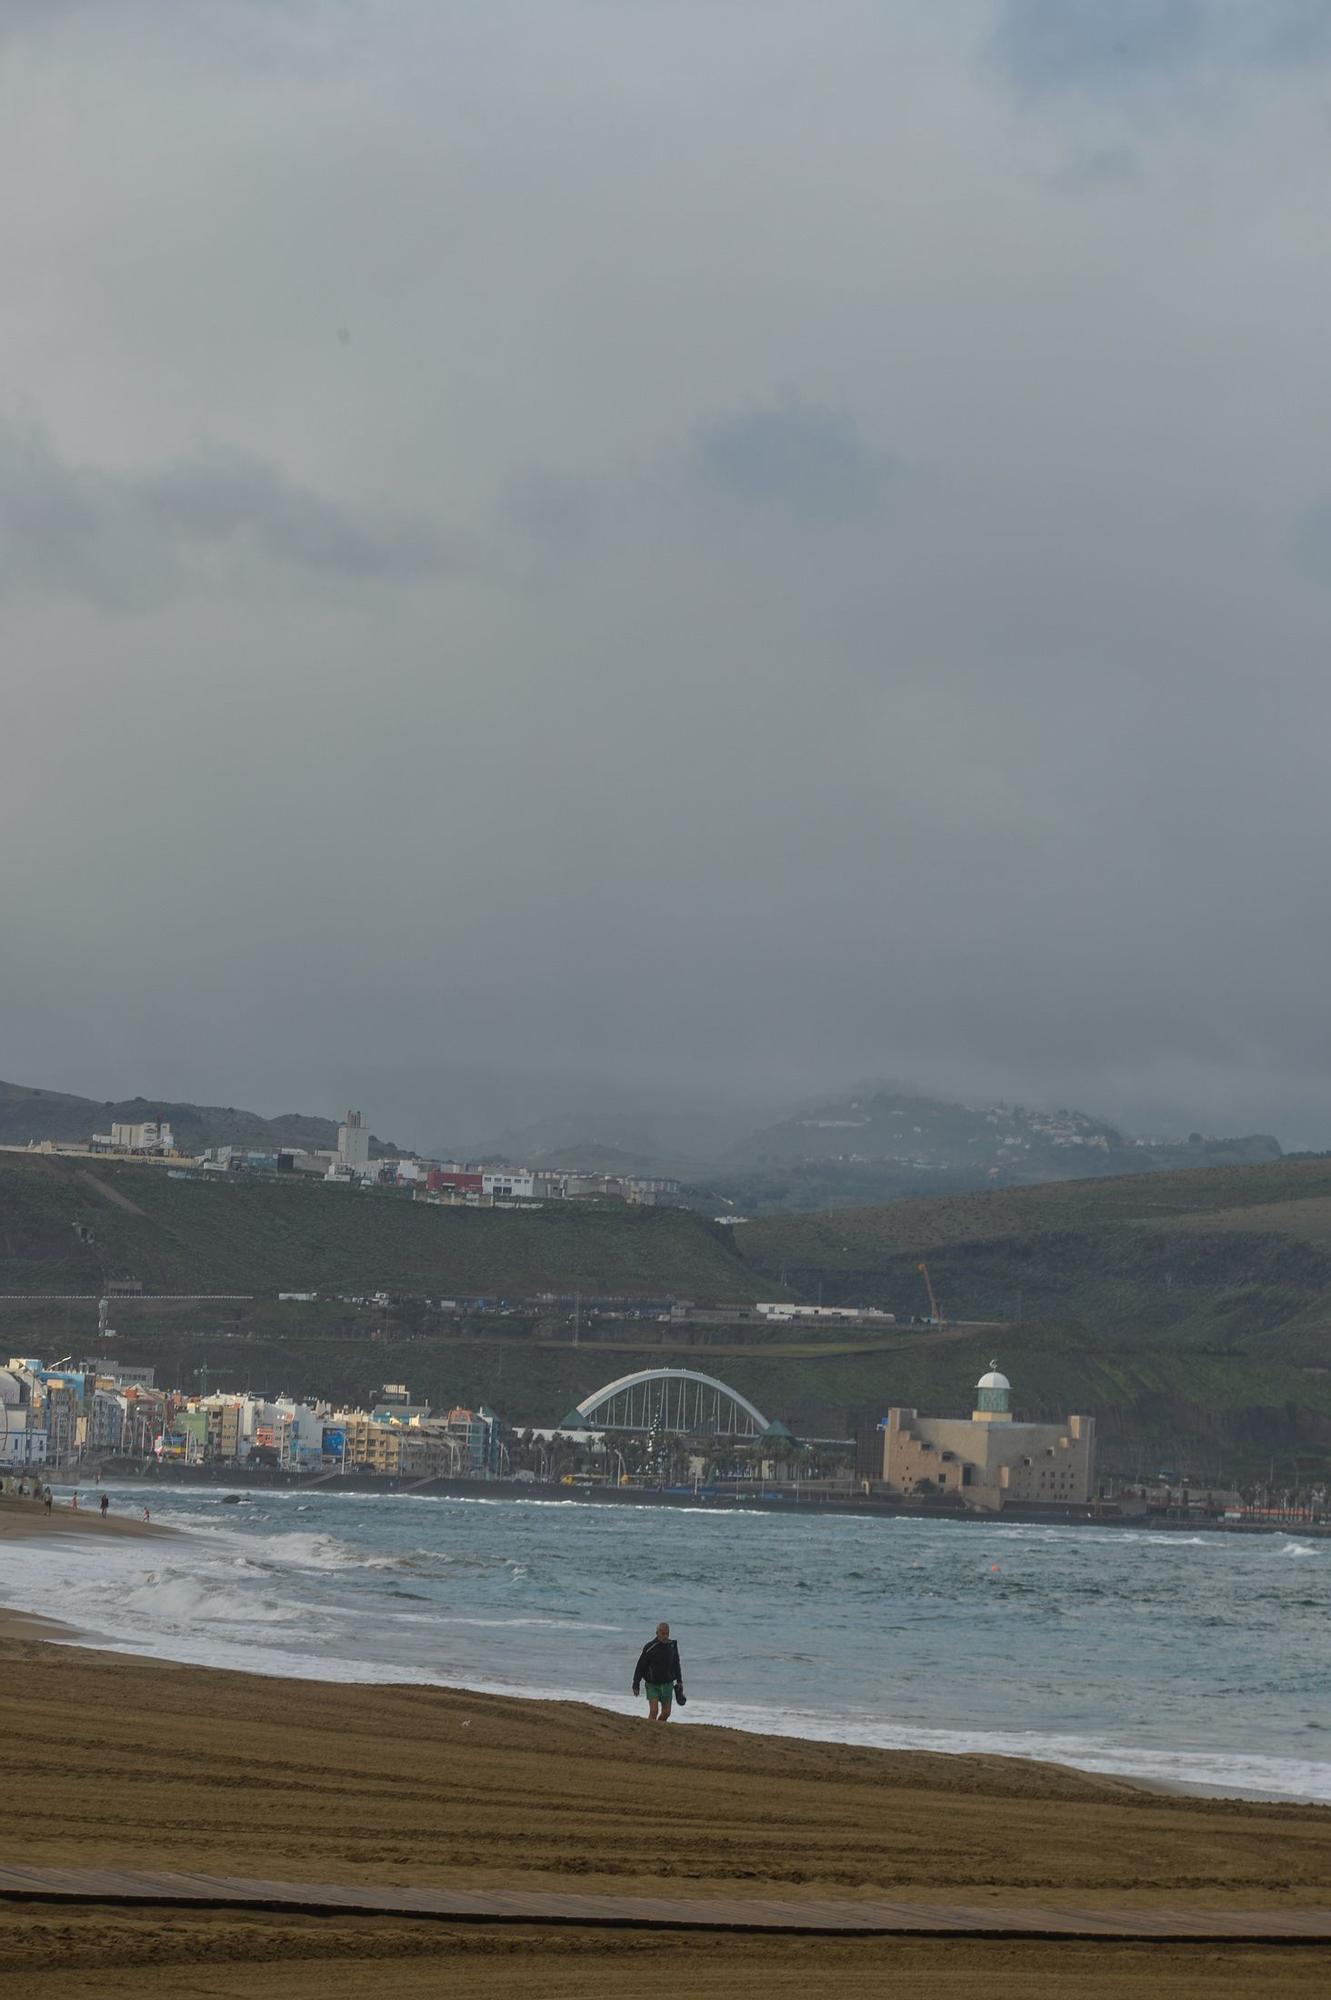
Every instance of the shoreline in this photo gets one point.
(225, 1772)
(1274, 1781)
(229, 1774)
(33, 1625)
(27, 1519)
(18, 1625)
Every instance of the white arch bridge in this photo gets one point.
(668, 1399)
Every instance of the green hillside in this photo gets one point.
(67, 1227)
(1189, 1313)
(1234, 1259)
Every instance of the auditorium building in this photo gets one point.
(989, 1461)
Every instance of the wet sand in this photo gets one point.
(141, 1764)
(27, 1517)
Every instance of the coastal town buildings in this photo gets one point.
(354, 1163)
(453, 1184)
(53, 1401)
(477, 1434)
(404, 1442)
(149, 1135)
(22, 1435)
(989, 1460)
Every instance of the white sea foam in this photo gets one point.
(318, 1605)
(519, 1624)
(1269, 1777)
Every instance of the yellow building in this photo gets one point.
(373, 1447)
(225, 1429)
(989, 1461)
(395, 1449)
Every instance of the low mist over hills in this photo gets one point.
(880, 1144)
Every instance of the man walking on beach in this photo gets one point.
(658, 1669)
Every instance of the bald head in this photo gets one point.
(663, 1631)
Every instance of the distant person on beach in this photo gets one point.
(105, 1505)
(659, 1671)
(48, 1498)
(145, 1513)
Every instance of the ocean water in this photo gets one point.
(1199, 1659)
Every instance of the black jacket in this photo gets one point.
(658, 1662)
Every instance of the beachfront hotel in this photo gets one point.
(989, 1460)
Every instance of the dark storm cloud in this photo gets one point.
(1113, 45)
(811, 461)
(127, 538)
(769, 591)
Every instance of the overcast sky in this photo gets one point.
(562, 551)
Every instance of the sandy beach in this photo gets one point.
(138, 1763)
(28, 1518)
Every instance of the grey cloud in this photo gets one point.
(230, 499)
(1106, 46)
(1099, 167)
(696, 779)
(1310, 543)
(127, 538)
(554, 508)
(23, 17)
(802, 457)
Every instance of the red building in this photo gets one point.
(441, 1179)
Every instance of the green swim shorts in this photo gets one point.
(660, 1691)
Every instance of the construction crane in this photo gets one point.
(935, 1316)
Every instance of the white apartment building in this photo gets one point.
(353, 1143)
(22, 1444)
(22, 1438)
(150, 1136)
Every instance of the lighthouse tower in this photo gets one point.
(993, 1398)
